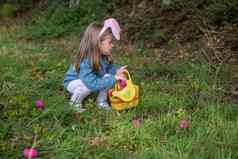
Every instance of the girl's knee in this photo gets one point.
(79, 90)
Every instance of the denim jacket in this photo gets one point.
(94, 81)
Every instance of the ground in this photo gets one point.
(169, 92)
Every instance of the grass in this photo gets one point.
(35, 70)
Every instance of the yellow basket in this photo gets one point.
(126, 97)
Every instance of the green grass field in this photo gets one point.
(31, 70)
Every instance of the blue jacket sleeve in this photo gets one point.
(112, 69)
(92, 80)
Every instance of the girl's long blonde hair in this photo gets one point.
(90, 47)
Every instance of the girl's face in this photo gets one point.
(107, 45)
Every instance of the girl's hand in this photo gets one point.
(120, 77)
(121, 70)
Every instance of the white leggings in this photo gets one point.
(79, 91)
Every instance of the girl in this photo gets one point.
(93, 69)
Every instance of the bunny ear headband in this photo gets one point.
(113, 25)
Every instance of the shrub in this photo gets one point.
(8, 10)
(58, 19)
(223, 10)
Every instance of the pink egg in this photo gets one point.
(136, 123)
(122, 83)
(30, 153)
(183, 124)
(39, 104)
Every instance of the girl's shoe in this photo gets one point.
(78, 107)
(104, 106)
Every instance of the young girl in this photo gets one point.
(93, 69)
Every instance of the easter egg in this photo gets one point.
(122, 83)
(183, 124)
(39, 104)
(136, 123)
(30, 153)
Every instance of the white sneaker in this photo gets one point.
(78, 107)
(104, 106)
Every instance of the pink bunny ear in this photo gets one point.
(113, 25)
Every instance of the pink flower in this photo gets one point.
(30, 153)
(183, 124)
(39, 104)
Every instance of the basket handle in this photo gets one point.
(126, 72)
(126, 94)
